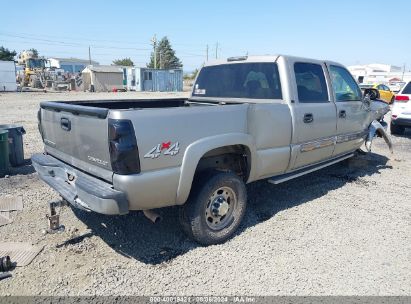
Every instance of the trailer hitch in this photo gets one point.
(54, 218)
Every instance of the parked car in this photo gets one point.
(248, 118)
(401, 111)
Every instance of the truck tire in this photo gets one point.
(215, 207)
(397, 130)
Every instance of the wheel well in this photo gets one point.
(235, 158)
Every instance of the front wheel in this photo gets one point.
(215, 207)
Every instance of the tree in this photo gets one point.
(165, 56)
(192, 75)
(35, 53)
(6, 54)
(124, 62)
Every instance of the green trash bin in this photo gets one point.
(16, 150)
(4, 152)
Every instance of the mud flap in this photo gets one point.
(376, 128)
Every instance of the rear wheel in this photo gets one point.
(397, 130)
(215, 207)
(392, 100)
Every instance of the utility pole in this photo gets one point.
(161, 61)
(154, 42)
(216, 50)
(403, 72)
(207, 53)
(89, 55)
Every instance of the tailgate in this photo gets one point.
(77, 135)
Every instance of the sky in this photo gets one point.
(350, 32)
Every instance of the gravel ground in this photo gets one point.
(344, 230)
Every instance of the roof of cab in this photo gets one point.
(262, 58)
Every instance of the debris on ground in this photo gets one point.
(22, 254)
(11, 203)
(8, 204)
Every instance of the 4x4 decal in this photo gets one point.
(167, 148)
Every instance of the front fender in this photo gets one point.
(376, 128)
(197, 149)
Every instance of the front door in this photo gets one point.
(148, 81)
(314, 114)
(352, 117)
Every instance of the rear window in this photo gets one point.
(407, 89)
(239, 80)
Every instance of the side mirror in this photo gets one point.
(372, 94)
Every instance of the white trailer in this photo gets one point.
(8, 76)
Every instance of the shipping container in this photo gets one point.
(154, 80)
(8, 76)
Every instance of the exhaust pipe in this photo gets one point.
(152, 216)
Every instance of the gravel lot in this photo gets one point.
(344, 230)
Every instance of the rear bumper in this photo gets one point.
(405, 122)
(84, 191)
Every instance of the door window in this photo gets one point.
(148, 75)
(344, 85)
(311, 84)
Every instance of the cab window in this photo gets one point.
(254, 80)
(311, 84)
(344, 86)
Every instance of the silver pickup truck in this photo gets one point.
(248, 118)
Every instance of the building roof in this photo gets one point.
(75, 60)
(104, 68)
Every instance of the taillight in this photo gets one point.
(123, 147)
(401, 98)
(39, 123)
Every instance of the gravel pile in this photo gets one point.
(344, 230)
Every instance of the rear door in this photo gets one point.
(77, 135)
(352, 116)
(313, 112)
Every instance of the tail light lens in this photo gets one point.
(401, 98)
(123, 147)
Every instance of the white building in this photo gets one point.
(70, 65)
(8, 76)
(379, 73)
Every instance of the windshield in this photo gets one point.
(407, 89)
(239, 80)
(35, 63)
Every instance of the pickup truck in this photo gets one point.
(248, 118)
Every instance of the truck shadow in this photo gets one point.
(136, 237)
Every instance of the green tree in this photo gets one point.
(165, 56)
(35, 53)
(123, 62)
(6, 54)
(192, 75)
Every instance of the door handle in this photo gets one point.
(308, 118)
(65, 124)
(342, 114)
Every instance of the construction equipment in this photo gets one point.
(37, 73)
(34, 68)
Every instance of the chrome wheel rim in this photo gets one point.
(220, 207)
